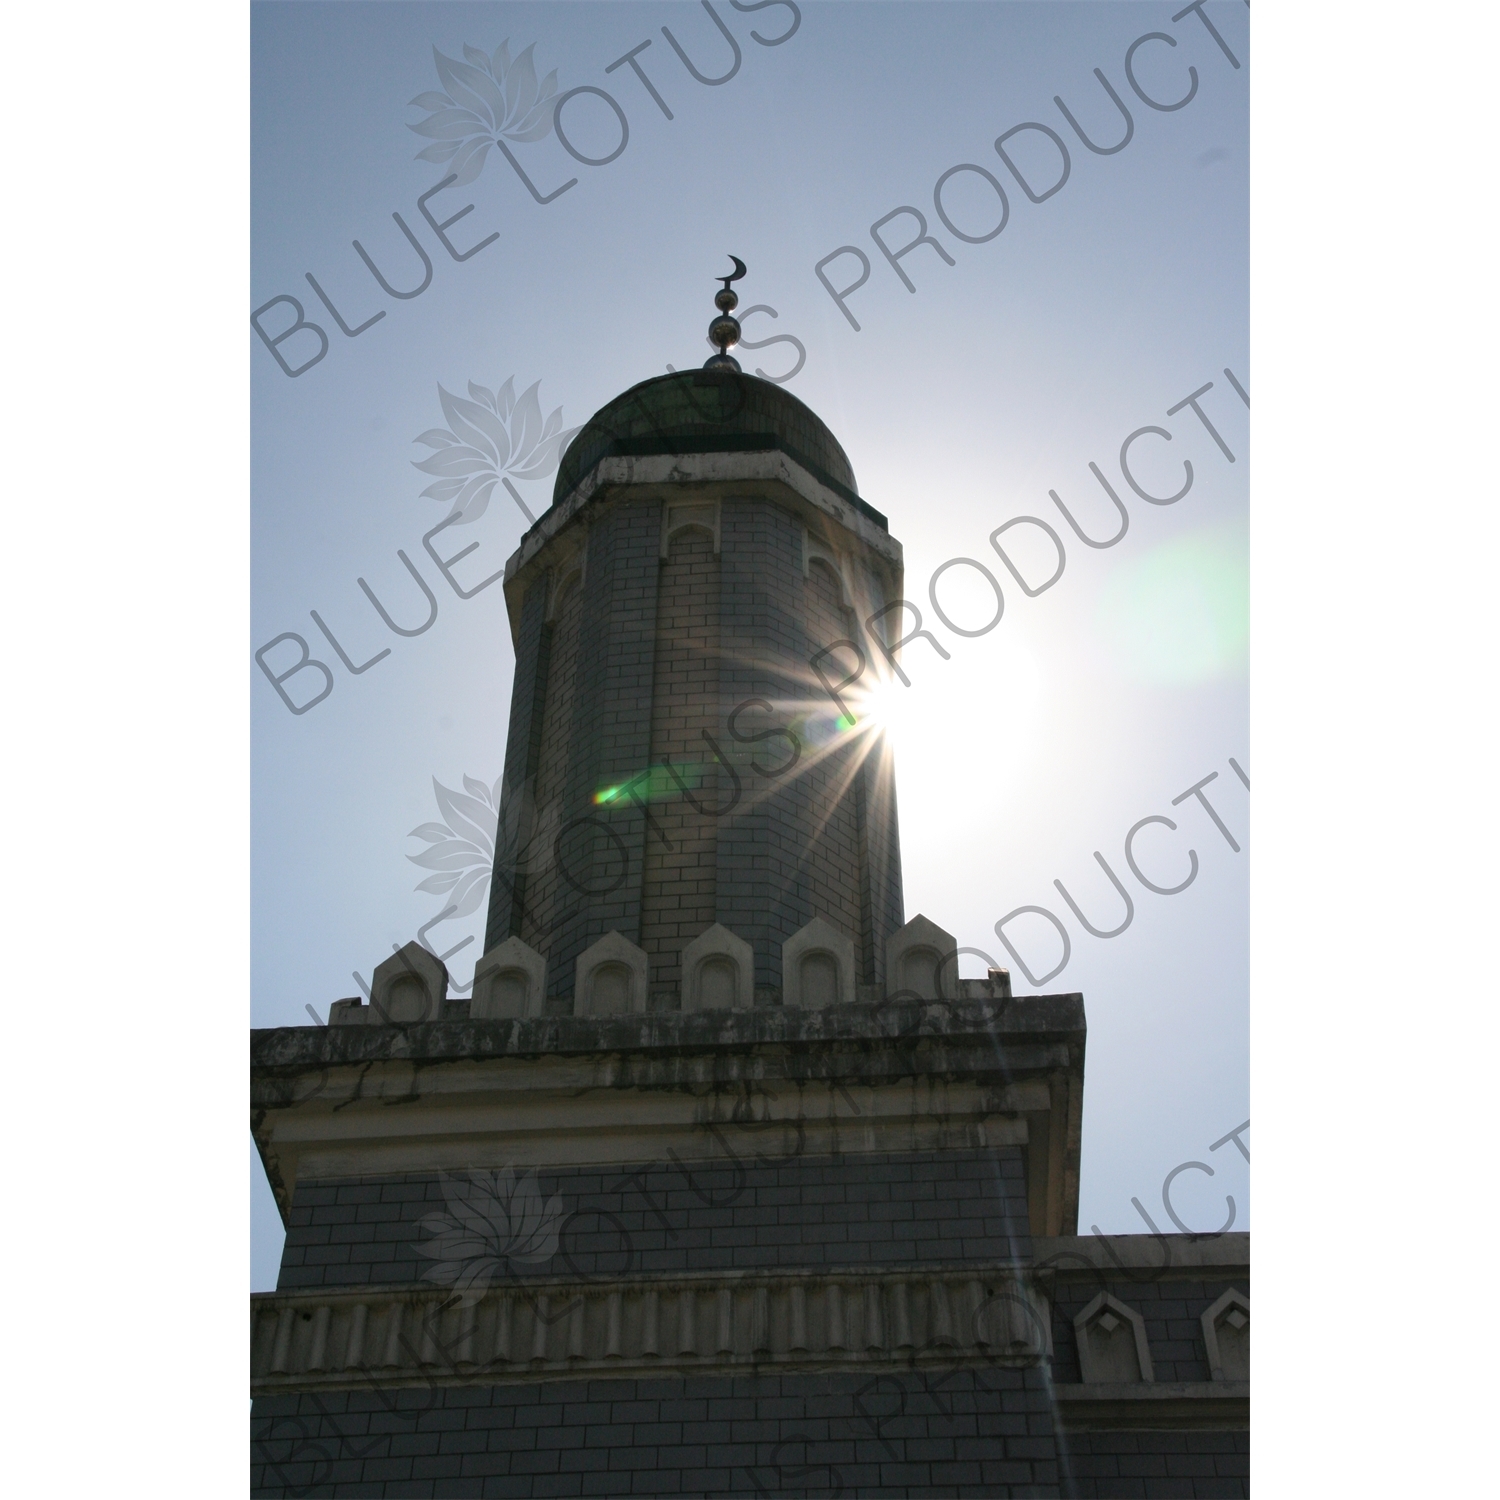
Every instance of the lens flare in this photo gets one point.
(1180, 615)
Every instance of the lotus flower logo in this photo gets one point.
(493, 1220)
(493, 434)
(487, 97)
(463, 848)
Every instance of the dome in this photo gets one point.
(709, 411)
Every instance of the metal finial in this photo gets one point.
(724, 331)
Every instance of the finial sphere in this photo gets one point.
(724, 331)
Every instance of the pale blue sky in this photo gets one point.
(961, 405)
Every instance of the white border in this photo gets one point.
(127, 752)
(1373, 557)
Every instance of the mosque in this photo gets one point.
(722, 1180)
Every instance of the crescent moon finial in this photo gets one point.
(724, 331)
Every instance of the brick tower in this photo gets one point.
(722, 1180)
(675, 759)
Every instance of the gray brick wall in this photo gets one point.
(679, 876)
(1157, 1465)
(763, 660)
(609, 737)
(986, 1432)
(547, 895)
(806, 1212)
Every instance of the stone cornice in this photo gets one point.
(864, 1322)
(773, 464)
(773, 473)
(1081, 1257)
(855, 1321)
(973, 1035)
(907, 1076)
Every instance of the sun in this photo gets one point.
(881, 708)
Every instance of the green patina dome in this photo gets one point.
(709, 411)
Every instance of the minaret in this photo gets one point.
(722, 1180)
(676, 760)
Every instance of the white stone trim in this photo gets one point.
(510, 958)
(614, 1114)
(1211, 1320)
(703, 468)
(922, 935)
(388, 1004)
(1102, 1304)
(666, 477)
(724, 1322)
(718, 942)
(612, 949)
(567, 1091)
(690, 468)
(816, 937)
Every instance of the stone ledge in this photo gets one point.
(655, 477)
(770, 462)
(700, 1323)
(1080, 1256)
(972, 1023)
(1220, 1405)
(915, 1075)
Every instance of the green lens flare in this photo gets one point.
(1180, 615)
(655, 785)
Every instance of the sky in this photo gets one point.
(964, 404)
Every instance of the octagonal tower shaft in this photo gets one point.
(675, 757)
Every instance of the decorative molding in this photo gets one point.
(717, 945)
(406, 989)
(816, 550)
(510, 982)
(600, 970)
(560, 580)
(1106, 1351)
(1229, 1356)
(680, 469)
(922, 960)
(703, 1323)
(466, 1118)
(625, 1089)
(683, 515)
(818, 939)
(670, 477)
